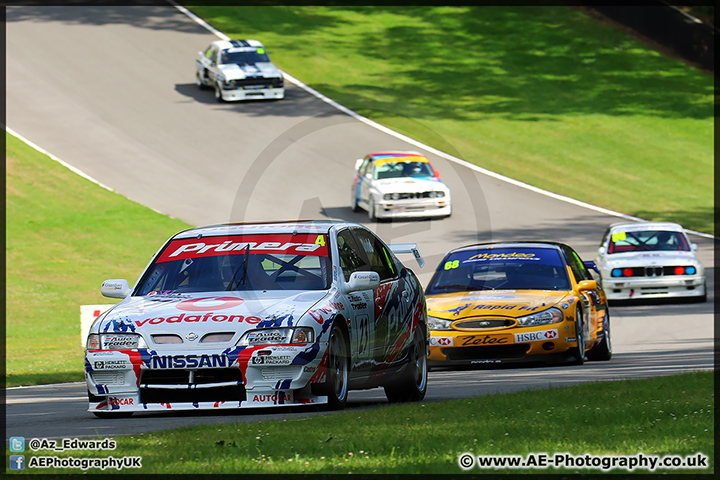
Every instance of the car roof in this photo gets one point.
(516, 244)
(249, 43)
(309, 227)
(637, 226)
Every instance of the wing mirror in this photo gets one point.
(358, 162)
(115, 288)
(586, 285)
(693, 247)
(601, 250)
(362, 281)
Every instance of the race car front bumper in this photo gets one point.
(654, 287)
(545, 343)
(244, 93)
(413, 209)
(238, 377)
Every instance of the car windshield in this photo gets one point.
(647, 240)
(403, 169)
(244, 57)
(500, 268)
(239, 262)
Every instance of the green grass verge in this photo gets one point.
(656, 417)
(65, 235)
(545, 95)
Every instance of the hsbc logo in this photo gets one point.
(441, 341)
(536, 336)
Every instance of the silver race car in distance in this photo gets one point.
(645, 260)
(239, 70)
(261, 315)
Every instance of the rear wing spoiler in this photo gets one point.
(398, 248)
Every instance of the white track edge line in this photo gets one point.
(53, 157)
(71, 168)
(428, 148)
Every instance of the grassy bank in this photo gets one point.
(545, 95)
(65, 235)
(656, 417)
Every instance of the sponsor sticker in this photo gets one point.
(271, 360)
(237, 244)
(441, 341)
(474, 340)
(109, 364)
(536, 336)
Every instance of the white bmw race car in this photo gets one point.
(260, 315)
(239, 70)
(649, 260)
(399, 184)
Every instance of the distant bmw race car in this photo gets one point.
(645, 260)
(238, 70)
(494, 303)
(399, 184)
(260, 315)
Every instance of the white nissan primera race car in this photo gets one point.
(238, 70)
(649, 260)
(399, 184)
(259, 315)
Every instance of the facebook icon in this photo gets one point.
(17, 462)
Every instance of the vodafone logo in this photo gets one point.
(209, 303)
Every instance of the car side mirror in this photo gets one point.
(358, 162)
(115, 288)
(362, 281)
(437, 174)
(586, 285)
(601, 250)
(693, 247)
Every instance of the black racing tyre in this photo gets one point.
(603, 350)
(412, 386)
(338, 370)
(579, 351)
(199, 81)
(218, 93)
(354, 202)
(371, 210)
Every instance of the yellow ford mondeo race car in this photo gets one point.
(514, 302)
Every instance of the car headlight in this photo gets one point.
(392, 196)
(435, 323)
(551, 315)
(275, 336)
(115, 341)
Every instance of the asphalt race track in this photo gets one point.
(111, 91)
